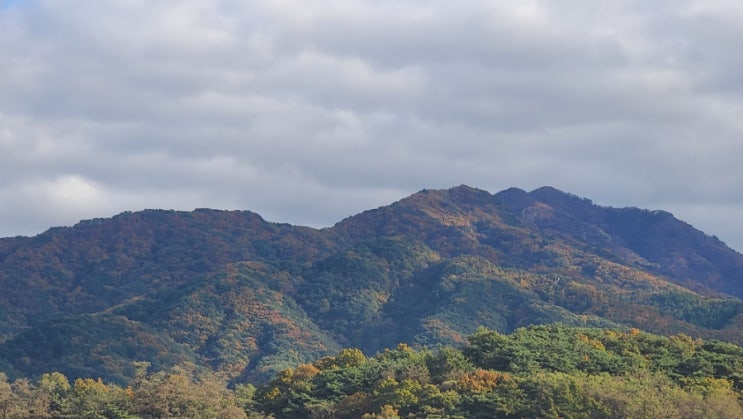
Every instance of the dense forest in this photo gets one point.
(547, 371)
(244, 298)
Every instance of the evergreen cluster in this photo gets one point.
(548, 371)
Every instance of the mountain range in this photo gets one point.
(230, 292)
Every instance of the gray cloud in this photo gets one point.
(308, 114)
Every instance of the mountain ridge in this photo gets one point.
(232, 292)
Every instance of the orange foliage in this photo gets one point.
(305, 372)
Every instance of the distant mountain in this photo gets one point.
(230, 292)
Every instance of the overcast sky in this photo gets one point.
(311, 111)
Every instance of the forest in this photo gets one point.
(513, 305)
(245, 298)
(547, 371)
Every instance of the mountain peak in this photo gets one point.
(466, 189)
(453, 202)
(517, 199)
(549, 194)
(461, 191)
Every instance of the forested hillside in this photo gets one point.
(547, 371)
(234, 295)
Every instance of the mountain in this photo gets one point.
(230, 292)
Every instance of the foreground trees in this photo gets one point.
(161, 395)
(541, 371)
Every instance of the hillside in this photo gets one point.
(546, 371)
(541, 371)
(230, 292)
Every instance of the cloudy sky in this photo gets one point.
(311, 111)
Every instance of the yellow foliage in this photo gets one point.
(385, 412)
(350, 357)
(89, 384)
(481, 381)
(286, 376)
(712, 385)
(273, 393)
(402, 347)
(684, 339)
(591, 342)
(305, 372)
(388, 412)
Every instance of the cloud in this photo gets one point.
(310, 113)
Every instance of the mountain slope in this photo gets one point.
(99, 263)
(231, 292)
(654, 239)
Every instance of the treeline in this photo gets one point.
(545, 371)
(180, 393)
